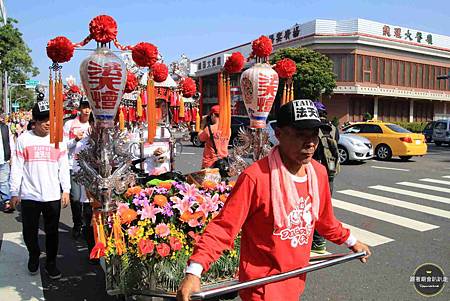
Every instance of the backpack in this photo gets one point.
(330, 151)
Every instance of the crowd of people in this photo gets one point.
(281, 204)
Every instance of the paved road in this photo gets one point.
(401, 209)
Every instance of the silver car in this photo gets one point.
(441, 132)
(354, 148)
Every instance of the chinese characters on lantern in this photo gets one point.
(105, 81)
(267, 90)
(418, 37)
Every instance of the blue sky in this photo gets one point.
(196, 27)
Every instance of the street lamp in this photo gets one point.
(16, 105)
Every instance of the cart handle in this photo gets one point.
(214, 292)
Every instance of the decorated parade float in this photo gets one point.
(146, 226)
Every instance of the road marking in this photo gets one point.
(423, 186)
(16, 282)
(183, 153)
(384, 216)
(367, 237)
(398, 203)
(448, 177)
(435, 181)
(390, 168)
(425, 196)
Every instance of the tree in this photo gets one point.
(16, 60)
(314, 72)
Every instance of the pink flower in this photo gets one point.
(146, 246)
(189, 192)
(211, 204)
(162, 230)
(163, 249)
(182, 205)
(121, 208)
(132, 231)
(175, 243)
(149, 211)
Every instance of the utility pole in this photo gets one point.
(5, 74)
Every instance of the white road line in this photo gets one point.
(384, 216)
(435, 181)
(420, 195)
(398, 203)
(367, 237)
(448, 177)
(183, 153)
(15, 281)
(389, 168)
(423, 186)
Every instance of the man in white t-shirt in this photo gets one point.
(75, 130)
(39, 172)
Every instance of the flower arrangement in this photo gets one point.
(159, 226)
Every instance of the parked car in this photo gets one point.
(237, 122)
(428, 131)
(389, 139)
(441, 132)
(354, 148)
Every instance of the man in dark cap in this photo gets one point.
(277, 202)
(37, 172)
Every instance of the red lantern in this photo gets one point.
(259, 86)
(131, 83)
(234, 63)
(60, 49)
(103, 75)
(160, 72)
(286, 68)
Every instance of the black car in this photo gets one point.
(428, 131)
(236, 123)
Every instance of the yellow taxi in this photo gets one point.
(389, 139)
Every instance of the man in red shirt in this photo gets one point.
(209, 154)
(277, 202)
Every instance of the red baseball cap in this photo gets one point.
(214, 110)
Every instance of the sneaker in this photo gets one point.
(8, 208)
(33, 265)
(52, 271)
(76, 232)
(319, 247)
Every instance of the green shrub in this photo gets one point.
(415, 127)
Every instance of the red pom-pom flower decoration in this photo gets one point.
(262, 47)
(145, 54)
(286, 68)
(74, 89)
(131, 83)
(234, 63)
(160, 72)
(60, 49)
(188, 87)
(103, 29)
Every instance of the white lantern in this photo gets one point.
(103, 75)
(259, 85)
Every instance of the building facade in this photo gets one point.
(389, 72)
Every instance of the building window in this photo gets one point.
(360, 69)
(401, 74)
(432, 78)
(426, 77)
(394, 73)
(414, 75)
(407, 74)
(374, 70)
(419, 76)
(388, 71)
(381, 71)
(350, 69)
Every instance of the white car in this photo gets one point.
(354, 148)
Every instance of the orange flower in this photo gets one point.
(187, 216)
(200, 200)
(127, 216)
(166, 185)
(223, 198)
(209, 185)
(133, 191)
(160, 200)
(232, 183)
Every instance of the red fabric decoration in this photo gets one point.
(234, 63)
(60, 49)
(103, 29)
(262, 47)
(188, 87)
(145, 54)
(160, 72)
(131, 83)
(75, 89)
(285, 68)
